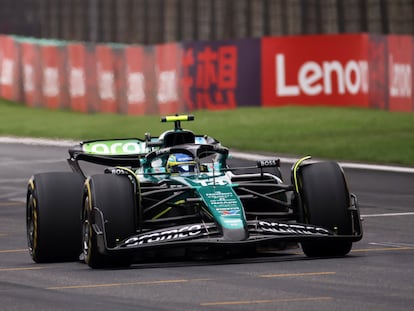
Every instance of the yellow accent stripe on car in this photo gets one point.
(295, 169)
(168, 209)
(34, 224)
(132, 173)
(207, 212)
(31, 182)
(89, 195)
(88, 188)
(34, 213)
(162, 213)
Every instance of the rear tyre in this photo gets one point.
(113, 196)
(53, 222)
(325, 202)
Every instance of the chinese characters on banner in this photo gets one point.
(213, 75)
(216, 78)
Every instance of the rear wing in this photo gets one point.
(129, 151)
(114, 152)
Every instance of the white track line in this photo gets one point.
(37, 141)
(362, 166)
(388, 215)
(234, 154)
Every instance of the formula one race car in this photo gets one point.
(178, 192)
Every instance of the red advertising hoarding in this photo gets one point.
(105, 75)
(53, 80)
(10, 79)
(31, 69)
(136, 80)
(92, 96)
(363, 70)
(315, 70)
(378, 72)
(167, 72)
(76, 66)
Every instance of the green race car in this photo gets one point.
(177, 192)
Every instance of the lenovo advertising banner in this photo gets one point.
(221, 75)
(315, 70)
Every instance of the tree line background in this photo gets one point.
(159, 21)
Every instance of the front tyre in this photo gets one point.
(113, 196)
(325, 203)
(53, 222)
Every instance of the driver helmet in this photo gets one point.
(180, 163)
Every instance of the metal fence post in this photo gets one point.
(384, 16)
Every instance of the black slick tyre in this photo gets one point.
(53, 221)
(113, 196)
(325, 202)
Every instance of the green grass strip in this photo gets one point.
(351, 134)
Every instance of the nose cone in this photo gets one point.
(238, 234)
(227, 210)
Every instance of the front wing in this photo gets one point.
(261, 232)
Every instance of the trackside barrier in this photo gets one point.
(10, 63)
(135, 95)
(76, 71)
(31, 73)
(400, 64)
(371, 71)
(105, 69)
(167, 65)
(54, 76)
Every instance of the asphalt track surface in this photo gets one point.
(377, 275)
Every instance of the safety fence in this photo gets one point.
(161, 21)
(373, 71)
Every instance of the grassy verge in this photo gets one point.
(335, 133)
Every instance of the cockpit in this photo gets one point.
(180, 163)
(190, 159)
